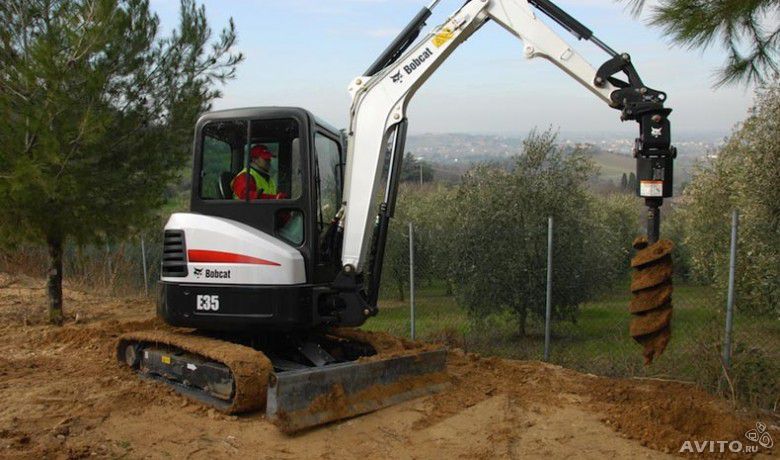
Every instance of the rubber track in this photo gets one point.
(651, 305)
(251, 369)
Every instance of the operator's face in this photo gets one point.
(260, 163)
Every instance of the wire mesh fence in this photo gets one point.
(122, 267)
(596, 339)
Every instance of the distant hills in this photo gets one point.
(452, 154)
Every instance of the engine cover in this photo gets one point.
(221, 251)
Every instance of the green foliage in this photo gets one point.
(98, 111)
(738, 24)
(673, 227)
(499, 228)
(744, 176)
(631, 185)
(410, 170)
(755, 374)
(419, 206)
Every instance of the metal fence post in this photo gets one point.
(411, 278)
(548, 311)
(143, 261)
(730, 300)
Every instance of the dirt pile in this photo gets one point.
(62, 395)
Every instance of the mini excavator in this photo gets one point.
(270, 283)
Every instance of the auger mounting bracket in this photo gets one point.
(652, 149)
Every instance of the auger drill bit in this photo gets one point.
(651, 305)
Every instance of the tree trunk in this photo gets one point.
(521, 317)
(54, 284)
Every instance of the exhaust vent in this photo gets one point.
(174, 260)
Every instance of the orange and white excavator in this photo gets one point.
(272, 276)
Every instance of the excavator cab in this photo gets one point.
(298, 192)
(251, 267)
(256, 251)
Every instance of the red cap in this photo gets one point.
(260, 151)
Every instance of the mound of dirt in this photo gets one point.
(62, 395)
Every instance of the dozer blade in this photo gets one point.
(309, 397)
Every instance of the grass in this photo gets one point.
(599, 342)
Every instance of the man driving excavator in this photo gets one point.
(255, 182)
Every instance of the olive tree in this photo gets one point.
(395, 272)
(744, 176)
(500, 234)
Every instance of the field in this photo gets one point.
(612, 166)
(63, 396)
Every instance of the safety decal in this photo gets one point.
(442, 37)
(651, 188)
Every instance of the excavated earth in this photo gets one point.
(63, 396)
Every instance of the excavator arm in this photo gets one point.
(378, 118)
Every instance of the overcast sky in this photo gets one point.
(305, 53)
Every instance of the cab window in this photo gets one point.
(223, 145)
(251, 163)
(328, 157)
(274, 160)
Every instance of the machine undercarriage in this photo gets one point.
(300, 380)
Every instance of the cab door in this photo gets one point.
(328, 184)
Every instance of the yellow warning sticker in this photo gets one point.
(442, 37)
(166, 359)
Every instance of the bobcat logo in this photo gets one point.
(760, 435)
(198, 272)
(656, 132)
(397, 77)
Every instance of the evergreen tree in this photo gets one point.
(738, 24)
(98, 111)
(624, 182)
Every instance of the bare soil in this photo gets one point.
(63, 396)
